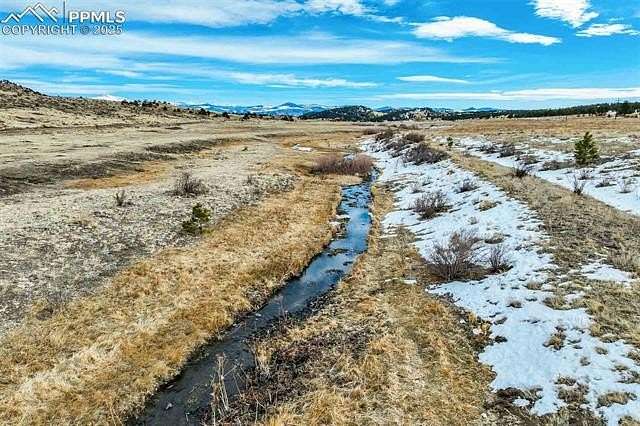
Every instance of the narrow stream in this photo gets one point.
(185, 399)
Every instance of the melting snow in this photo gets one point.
(513, 301)
(603, 272)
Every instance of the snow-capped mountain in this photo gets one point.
(287, 108)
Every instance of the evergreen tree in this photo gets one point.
(586, 150)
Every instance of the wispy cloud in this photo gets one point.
(432, 79)
(290, 80)
(607, 30)
(75, 89)
(582, 94)
(347, 7)
(112, 52)
(573, 12)
(447, 28)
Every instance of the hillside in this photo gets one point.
(21, 107)
(345, 113)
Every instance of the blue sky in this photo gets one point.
(445, 53)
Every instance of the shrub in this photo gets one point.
(357, 165)
(586, 150)
(455, 258)
(553, 165)
(431, 204)
(121, 198)
(385, 135)
(489, 148)
(414, 137)
(528, 159)
(507, 150)
(497, 259)
(200, 216)
(625, 185)
(468, 185)
(578, 184)
(422, 153)
(370, 131)
(521, 170)
(605, 182)
(187, 184)
(585, 174)
(415, 187)
(449, 142)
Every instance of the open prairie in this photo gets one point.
(499, 282)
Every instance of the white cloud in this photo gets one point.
(574, 12)
(112, 52)
(584, 94)
(290, 80)
(432, 79)
(446, 28)
(123, 73)
(75, 89)
(607, 30)
(348, 7)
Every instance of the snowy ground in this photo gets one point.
(615, 182)
(538, 349)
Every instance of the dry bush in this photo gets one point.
(415, 187)
(625, 185)
(468, 185)
(189, 185)
(386, 135)
(371, 131)
(414, 137)
(528, 159)
(121, 198)
(497, 259)
(584, 174)
(422, 153)
(605, 182)
(431, 204)
(507, 150)
(360, 164)
(456, 258)
(555, 165)
(521, 170)
(489, 148)
(578, 184)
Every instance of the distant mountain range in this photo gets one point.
(363, 113)
(340, 113)
(288, 108)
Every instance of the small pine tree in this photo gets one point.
(200, 216)
(449, 142)
(586, 150)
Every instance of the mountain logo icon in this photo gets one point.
(38, 11)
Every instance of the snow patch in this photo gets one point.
(614, 182)
(602, 272)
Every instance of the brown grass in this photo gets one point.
(379, 352)
(99, 357)
(152, 171)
